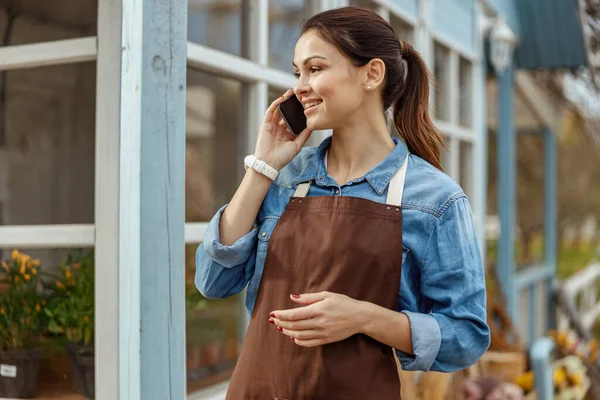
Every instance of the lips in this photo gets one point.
(310, 104)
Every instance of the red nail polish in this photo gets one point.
(272, 315)
(271, 321)
(296, 296)
(292, 339)
(280, 329)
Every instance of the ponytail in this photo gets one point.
(411, 109)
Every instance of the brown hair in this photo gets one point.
(362, 35)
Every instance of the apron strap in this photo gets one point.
(302, 189)
(396, 187)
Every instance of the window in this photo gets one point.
(216, 24)
(404, 30)
(285, 19)
(212, 176)
(466, 168)
(48, 141)
(465, 92)
(442, 82)
(30, 22)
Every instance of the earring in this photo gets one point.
(368, 87)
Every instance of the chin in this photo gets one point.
(317, 125)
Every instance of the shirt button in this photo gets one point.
(337, 191)
(320, 178)
(264, 234)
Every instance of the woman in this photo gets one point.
(359, 246)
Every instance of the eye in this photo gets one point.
(315, 69)
(297, 74)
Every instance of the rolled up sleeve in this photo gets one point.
(426, 339)
(455, 334)
(223, 271)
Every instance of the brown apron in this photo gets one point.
(345, 245)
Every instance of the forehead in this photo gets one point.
(311, 44)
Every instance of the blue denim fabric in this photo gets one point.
(442, 286)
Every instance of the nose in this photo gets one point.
(302, 88)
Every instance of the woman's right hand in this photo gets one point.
(276, 145)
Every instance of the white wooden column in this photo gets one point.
(140, 166)
(108, 78)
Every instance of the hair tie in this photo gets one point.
(405, 67)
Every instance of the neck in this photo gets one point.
(356, 149)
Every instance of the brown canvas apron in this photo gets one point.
(344, 245)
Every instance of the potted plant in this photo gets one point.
(22, 325)
(71, 314)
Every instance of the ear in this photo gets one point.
(374, 73)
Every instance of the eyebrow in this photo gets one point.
(306, 60)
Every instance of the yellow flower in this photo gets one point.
(38, 308)
(5, 266)
(22, 269)
(27, 277)
(36, 263)
(86, 319)
(68, 274)
(15, 254)
(60, 285)
(34, 271)
(2, 310)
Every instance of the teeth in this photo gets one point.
(312, 103)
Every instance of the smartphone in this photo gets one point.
(292, 112)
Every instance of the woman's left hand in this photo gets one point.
(324, 318)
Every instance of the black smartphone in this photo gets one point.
(292, 112)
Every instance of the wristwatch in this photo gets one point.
(261, 167)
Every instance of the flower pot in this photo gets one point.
(82, 368)
(19, 370)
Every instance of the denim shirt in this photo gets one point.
(442, 288)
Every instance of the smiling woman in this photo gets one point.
(358, 248)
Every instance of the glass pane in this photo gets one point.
(70, 288)
(466, 168)
(213, 164)
(404, 31)
(46, 21)
(47, 145)
(442, 82)
(285, 19)
(216, 24)
(465, 91)
(213, 170)
(445, 155)
(368, 4)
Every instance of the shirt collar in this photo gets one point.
(378, 177)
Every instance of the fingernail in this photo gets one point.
(291, 338)
(271, 321)
(296, 296)
(280, 329)
(272, 315)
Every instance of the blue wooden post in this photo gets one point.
(550, 202)
(151, 323)
(506, 148)
(542, 357)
